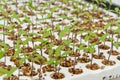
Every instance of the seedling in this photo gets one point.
(46, 35)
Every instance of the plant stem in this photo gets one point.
(55, 71)
(80, 38)
(18, 57)
(111, 49)
(91, 61)
(118, 38)
(4, 40)
(58, 69)
(41, 51)
(40, 73)
(98, 51)
(16, 5)
(75, 56)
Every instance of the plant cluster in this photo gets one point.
(39, 36)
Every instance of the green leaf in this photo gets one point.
(49, 15)
(72, 0)
(15, 16)
(17, 53)
(30, 4)
(91, 48)
(51, 61)
(81, 46)
(1, 73)
(17, 48)
(26, 18)
(3, 70)
(2, 10)
(88, 14)
(111, 39)
(1, 53)
(93, 34)
(51, 45)
(22, 60)
(26, 41)
(66, 53)
(118, 25)
(11, 71)
(57, 26)
(3, 1)
(38, 55)
(63, 16)
(18, 42)
(116, 44)
(22, 32)
(103, 4)
(50, 52)
(117, 9)
(97, 1)
(72, 44)
(5, 33)
(37, 47)
(117, 31)
(42, 19)
(58, 50)
(1, 25)
(67, 42)
(103, 37)
(44, 43)
(1, 19)
(46, 34)
(107, 25)
(35, 59)
(62, 33)
(11, 27)
(65, 1)
(6, 47)
(53, 9)
(57, 63)
(67, 28)
(110, 1)
(87, 38)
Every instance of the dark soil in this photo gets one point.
(75, 71)
(109, 63)
(57, 75)
(94, 66)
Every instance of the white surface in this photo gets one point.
(116, 79)
(87, 74)
(116, 2)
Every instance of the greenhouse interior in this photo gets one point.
(59, 40)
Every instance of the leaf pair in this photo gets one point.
(9, 73)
